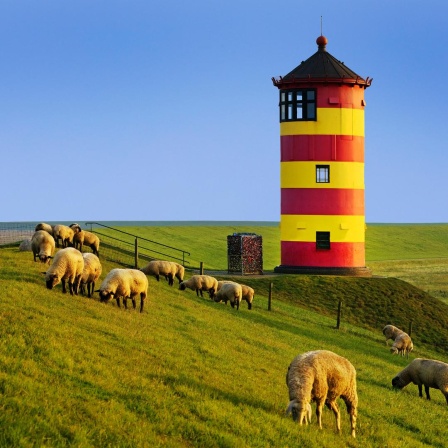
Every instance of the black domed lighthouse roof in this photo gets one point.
(321, 67)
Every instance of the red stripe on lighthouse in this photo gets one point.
(300, 148)
(315, 201)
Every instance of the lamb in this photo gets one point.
(64, 233)
(424, 372)
(83, 237)
(68, 264)
(44, 226)
(230, 291)
(169, 269)
(402, 345)
(43, 246)
(200, 283)
(402, 342)
(90, 274)
(124, 284)
(321, 376)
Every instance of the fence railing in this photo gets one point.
(138, 247)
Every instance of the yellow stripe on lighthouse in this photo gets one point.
(343, 228)
(330, 121)
(303, 175)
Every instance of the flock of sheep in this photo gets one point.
(322, 376)
(319, 376)
(81, 270)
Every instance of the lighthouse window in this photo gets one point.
(322, 173)
(298, 105)
(323, 240)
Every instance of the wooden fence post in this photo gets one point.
(410, 328)
(136, 253)
(338, 322)
(270, 296)
(201, 268)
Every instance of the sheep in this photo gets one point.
(248, 292)
(68, 264)
(391, 332)
(321, 376)
(402, 342)
(248, 295)
(200, 283)
(64, 233)
(91, 273)
(83, 237)
(169, 269)
(124, 284)
(230, 291)
(424, 372)
(43, 246)
(44, 226)
(402, 345)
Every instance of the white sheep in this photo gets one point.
(424, 372)
(169, 269)
(64, 233)
(248, 295)
(91, 273)
(124, 284)
(402, 345)
(402, 342)
(200, 283)
(229, 291)
(248, 292)
(67, 266)
(83, 237)
(44, 226)
(321, 376)
(43, 246)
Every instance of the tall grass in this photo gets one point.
(189, 372)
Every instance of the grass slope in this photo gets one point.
(189, 372)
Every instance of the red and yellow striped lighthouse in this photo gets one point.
(322, 223)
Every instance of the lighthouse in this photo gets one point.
(322, 211)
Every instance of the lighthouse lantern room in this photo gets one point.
(321, 112)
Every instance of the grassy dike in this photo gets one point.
(189, 372)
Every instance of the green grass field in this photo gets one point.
(190, 372)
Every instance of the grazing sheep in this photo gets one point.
(424, 372)
(44, 226)
(248, 292)
(248, 295)
(169, 269)
(402, 345)
(402, 342)
(64, 233)
(83, 237)
(200, 283)
(229, 291)
(43, 246)
(90, 274)
(391, 332)
(67, 265)
(124, 284)
(321, 376)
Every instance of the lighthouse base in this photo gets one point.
(321, 270)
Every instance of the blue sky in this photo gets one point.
(165, 110)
